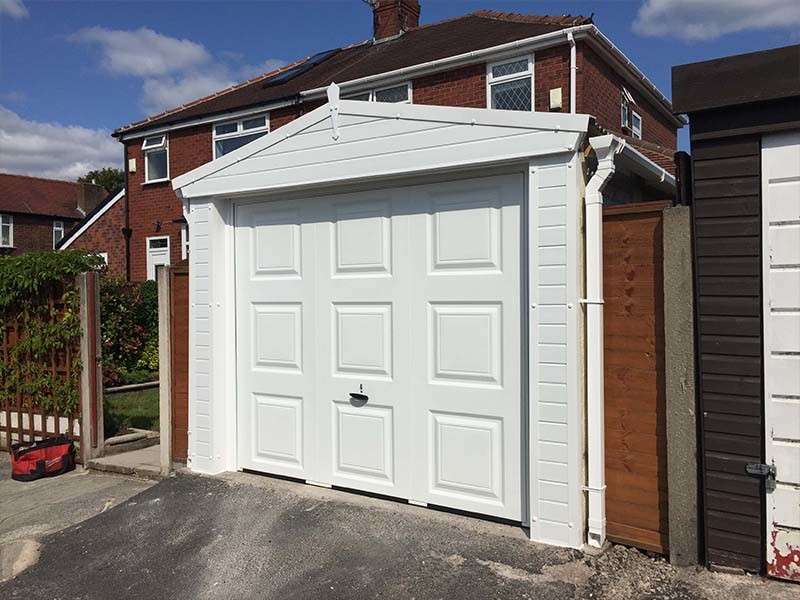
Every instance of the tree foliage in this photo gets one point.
(38, 296)
(110, 178)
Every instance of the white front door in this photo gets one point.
(157, 254)
(378, 342)
(780, 173)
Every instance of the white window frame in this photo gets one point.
(636, 132)
(58, 226)
(240, 131)
(104, 256)
(7, 221)
(492, 80)
(373, 92)
(184, 241)
(147, 253)
(146, 150)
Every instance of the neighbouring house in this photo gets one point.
(745, 140)
(487, 59)
(103, 231)
(36, 213)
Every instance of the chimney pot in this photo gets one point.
(393, 17)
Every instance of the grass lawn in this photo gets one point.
(124, 410)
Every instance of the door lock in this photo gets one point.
(768, 472)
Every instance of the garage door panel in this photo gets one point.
(382, 348)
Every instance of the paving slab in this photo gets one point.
(247, 536)
(144, 463)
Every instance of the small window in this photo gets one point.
(396, 94)
(58, 232)
(510, 84)
(160, 242)
(6, 231)
(636, 125)
(104, 256)
(156, 158)
(232, 135)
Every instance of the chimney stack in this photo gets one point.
(393, 17)
(89, 196)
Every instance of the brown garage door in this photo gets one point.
(635, 403)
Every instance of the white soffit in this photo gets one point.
(382, 140)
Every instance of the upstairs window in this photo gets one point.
(510, 84)
(156, 158)
(396, 94)
(58, 232)
(6, 231)
(631, 121)
(232, 135)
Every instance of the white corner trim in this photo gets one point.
(66, 242)
(333, 106)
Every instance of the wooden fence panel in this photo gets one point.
(179, 360)
(635, 388)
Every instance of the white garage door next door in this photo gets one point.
(378, 342)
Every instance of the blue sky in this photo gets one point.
(73, 71)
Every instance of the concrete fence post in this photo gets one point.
(164, 368)
(92, 426)
(680, 386)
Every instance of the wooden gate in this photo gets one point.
(635, 391)
(179, 360)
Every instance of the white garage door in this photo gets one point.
(378, 340)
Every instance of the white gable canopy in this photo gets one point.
(373, 140)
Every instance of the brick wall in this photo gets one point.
(154, 208)
(34, 232)
(599, 93)
(105, 235)
(461, 87)
(551, 70)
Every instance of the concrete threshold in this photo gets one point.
(144, 463)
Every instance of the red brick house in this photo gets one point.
(35, 213)
(483, 59)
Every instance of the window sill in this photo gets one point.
(152, 181)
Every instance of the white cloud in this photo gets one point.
(14, 9)
(694, 20)
(53, 150)
(143, 52)
(168, 92)
(173, 71)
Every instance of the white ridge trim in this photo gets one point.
(66, 242)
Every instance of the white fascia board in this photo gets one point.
(628, 158)
(635, 76)
(82, 229)
(441, 114)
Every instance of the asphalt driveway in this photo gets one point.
(245, 536)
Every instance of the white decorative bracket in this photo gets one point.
(333, 103)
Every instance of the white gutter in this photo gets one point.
(606, 147)
(536, 42)
(573, 75)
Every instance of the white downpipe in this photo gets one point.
(573, 72)
(606, 148)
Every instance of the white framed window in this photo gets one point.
(104, 256)
(231, 135)
(396, 94)
(157, 253)
(6, 231)
(58, 232)
(184, 241)
(509, 84)
(156, 158)
(630, 120)
(636, 125)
